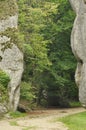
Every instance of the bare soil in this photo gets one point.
(39, 120)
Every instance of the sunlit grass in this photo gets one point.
(14, 123)
(75, 122)
(30, 128)
(17, 114)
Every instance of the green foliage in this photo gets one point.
(31, 20)
(26, 91)
(3, 94)
(7, 8)
(4, 78)
(75, 122)
(17, 114)
(61, 86)
(49, 62)
(75, 104)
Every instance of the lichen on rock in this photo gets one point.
(11, 55)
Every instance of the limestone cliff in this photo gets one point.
(11, 57)
(78, 44)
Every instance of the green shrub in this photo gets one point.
(26, 91)
(3, 94)
(75, 104)
(4, 78)
(17, 114)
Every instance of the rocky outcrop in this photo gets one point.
(11, 57)
(78, 44)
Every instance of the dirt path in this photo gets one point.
(40, 120)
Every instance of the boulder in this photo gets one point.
(78, 44)
(11, 57)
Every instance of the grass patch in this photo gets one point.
(75, 122)
(75, 104)
(29, 128)
(17, 114)
(14, 123)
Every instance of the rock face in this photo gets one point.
(11, 57)
(78, 44)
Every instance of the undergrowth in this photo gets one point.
(17, 114)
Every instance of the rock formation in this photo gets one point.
(78, 44)
(11, 57)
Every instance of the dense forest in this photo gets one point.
(49, 65)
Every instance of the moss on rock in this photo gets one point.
(7, 8)
(15, 37)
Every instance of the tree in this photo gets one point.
(49, 62)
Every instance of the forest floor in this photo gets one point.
(39, 120)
